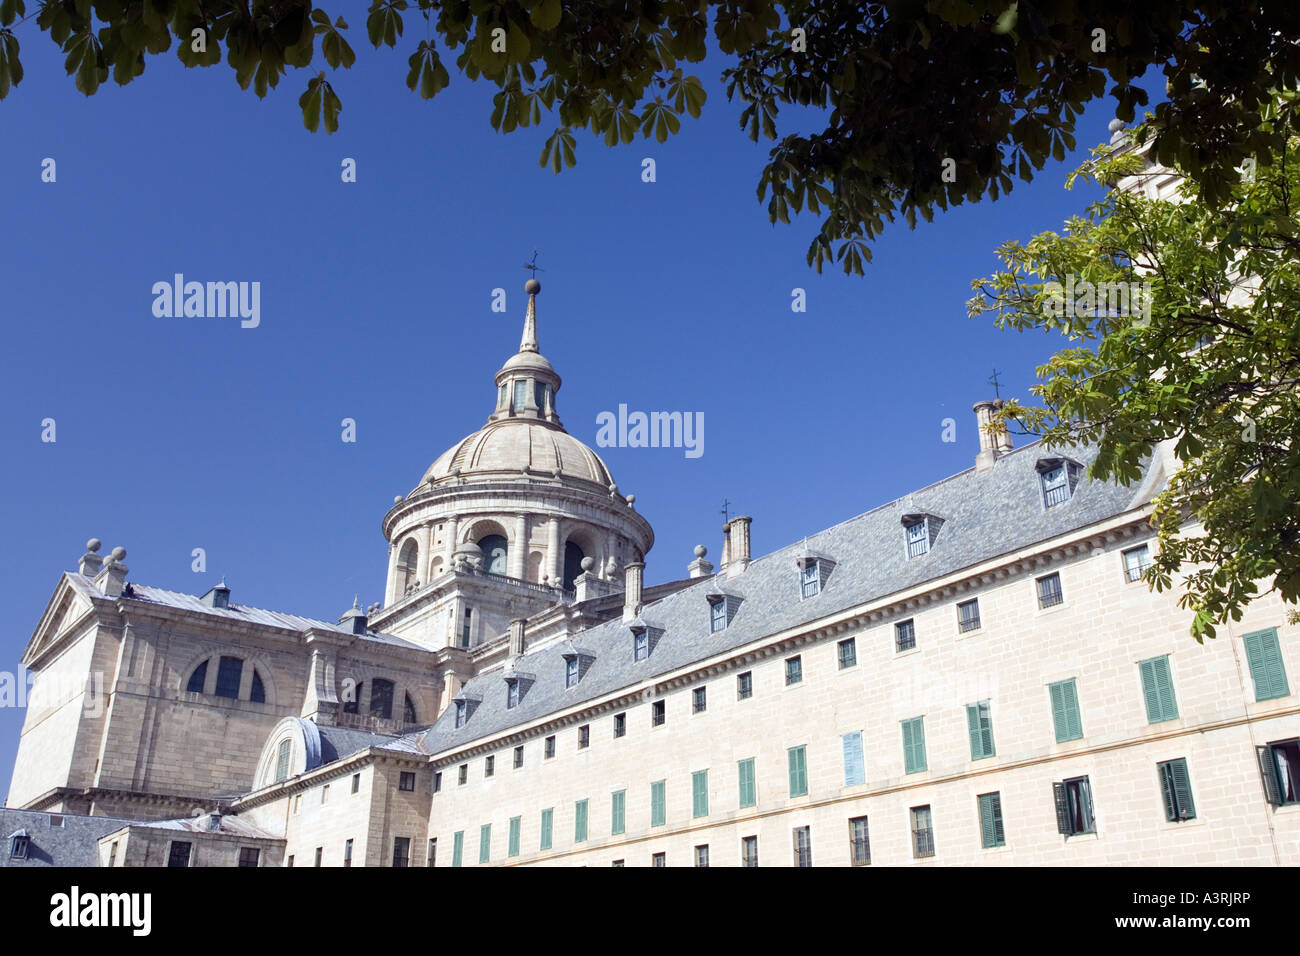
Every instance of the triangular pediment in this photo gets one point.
(65, 612)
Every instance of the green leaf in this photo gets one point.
(11, 10)
(546, 14)
(310, 102)
(384, 22)
(11, 69)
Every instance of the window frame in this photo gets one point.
(794, 670)
(859, 844)
(910, 624)
(967, 624)
(1057, 597)
(851, 659)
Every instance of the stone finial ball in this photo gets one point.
(1116, 125)
(532, 287)
(93, 544)
(631, 499)
(701, 550)
(588, 563)
(397, 499)
(118, 554)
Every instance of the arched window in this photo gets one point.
(494, 549)
(408, 711)
(381, 699)
(282, 760)
(229, 672)
(258, 694)
(353, 705)
(407, 564)
(572, 563)
(198, 679)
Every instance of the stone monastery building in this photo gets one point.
(974, 674)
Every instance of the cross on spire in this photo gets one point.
(726, 510)
(993, 380)
(532, 265)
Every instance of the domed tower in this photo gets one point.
(499, 526)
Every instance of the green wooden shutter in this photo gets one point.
(580, 822)
(700, 793)
(457, 847)
(990, 806)
(1264, 655)
(980, 725)
(617, 812)
(1062, 801)
(513, 849)
(798, 771)
(1181, 788)
(485, 843)
(548, 817)
(1268, 772)
(657, 814)
(855, 770)
(1158, 689)
(748, 794)
(914, 745)
(1167, 791)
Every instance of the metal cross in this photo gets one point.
(726, 513)
(532, 265)
(994, 382)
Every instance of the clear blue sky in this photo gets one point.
(174, 434)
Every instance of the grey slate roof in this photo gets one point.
(985, 515)
(236, 612)
(75, 843)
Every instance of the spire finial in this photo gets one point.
(993, 380)
(529, 341)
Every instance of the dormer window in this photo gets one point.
(576, 662)
(814, 569)
(517, 685)
(18, 846)
(570, 671)
(919, 532)
(917, 540)
(512, 694)
(462, 712)
(640, 645)
(1059, 477)
(722, 608)
(811, 581)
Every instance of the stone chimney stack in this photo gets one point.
(517, 636)
(90, 562)
(735, 545)
(632, 577)
(699, 568)
(992, 446)
(112, 578)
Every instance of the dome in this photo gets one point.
(503, 449)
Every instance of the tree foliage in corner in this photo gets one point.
(1213, 367)
(992, 86)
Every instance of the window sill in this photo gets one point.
(907, 653)
(1192, 824)
(1081, 837)
(1043, 611)
(973, 632)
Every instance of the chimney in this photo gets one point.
(517, 637)
(632, 576)
(735, 545)
(699, 568)
(218, 596)
(992, 446)
(112, 578)
(90, 562)
(354, 619)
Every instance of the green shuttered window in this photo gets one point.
(618, 812)
(1065, 710)
(991, 834)
(1264, 655)
(457, 847)
(914, 745)
(855, 769)
(1176, 790)
(798, 757)
(700, 793)
(513, 849)
(548, 817)
(485, 843)
(979, 722)
(580, 822)
(657, 813)
(748, 789)
(1158, 689)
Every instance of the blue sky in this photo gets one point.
(174, 434)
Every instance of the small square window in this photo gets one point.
(793, 670)
(620, 725)
(659, 859)
(657, 715)
(968, 615)
(584, 736)
(549, 747)
(249, 856)
(619, 863)
(744, 686)
(1136, 562)
(462, 774)
(489, 766)
(848, 653)
(699, 700)
(179, 854)
(519, 757)
(406, 781)
(905, 635)
(1049, 590)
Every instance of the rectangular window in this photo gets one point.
(356, 782)
(700, 793)
(657, 801)
(521, 394)
(793, 670)
(657, 714)
(289, 864)
(968, 615)
(1065, 710)
(112, 853)
(437, 781)
(640, 646)
(1049, 590)
(659, 859)
(859, 842)
(1176, 789)
(229, 672)
(991, 834)
(320, 854)
(248, 855)
(1136, 562)
(548, 817)
(618, 812)
(1073, 800)
(580, 822)
(699, 700)
(905, 635)
(571, 672)
(1279, 764)
(485, 843)
(489, 766)
(465, 630)
(405, 781)
(282, 760)
(702, 855)
(618, 863)
(802, 846)
(848, 652)
(179, 855)
(457, 847)
(431, 860)
(717, 616)
(401, 852)
(810, 580)
(1158, 689)
(584, 736)
(512, 847)
(914, 745)
(1056, 486)
(979, 723)
(620, 725)
(922, 832)
(549, 747)
(744, 686)
(462, 774)
(347, 854)
(748, 786)
(798, 761)
(512, 694)
(462, 713)
(855, 769)
(519, 757)
(1264, 656)
(918, 541)
(749, 851)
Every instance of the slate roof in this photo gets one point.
(236, 612)
(986, 514)
(75, 843)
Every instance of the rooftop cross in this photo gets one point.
(993, 380)
(532, 265)
(726, 512)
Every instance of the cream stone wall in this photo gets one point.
(1097, 636)
(147, 846)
